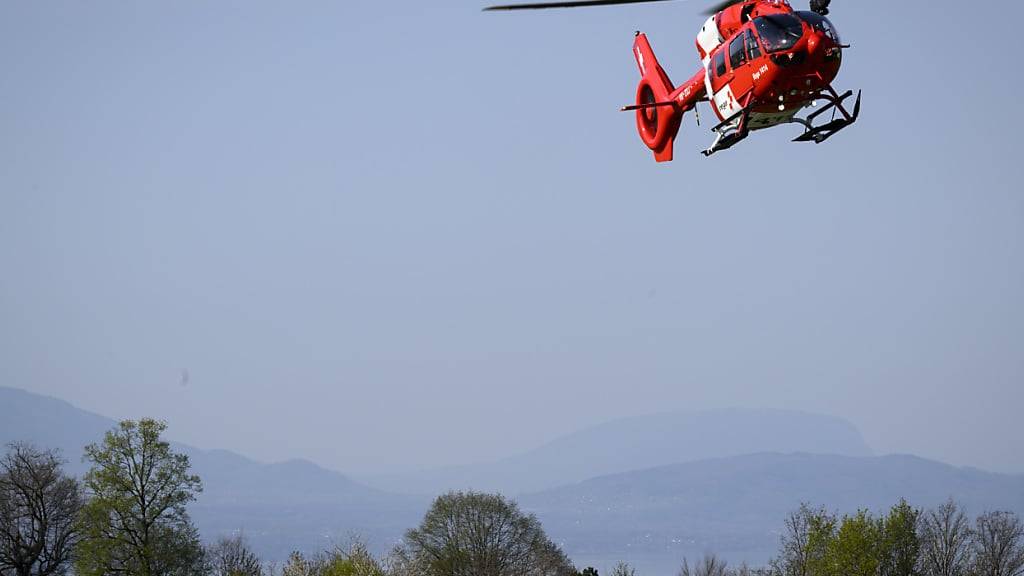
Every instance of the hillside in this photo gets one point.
(651, 517)
(642, 442)
(736, 506)
(294, 505)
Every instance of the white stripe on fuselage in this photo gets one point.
(725, 103)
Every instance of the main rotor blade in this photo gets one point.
(569, 4)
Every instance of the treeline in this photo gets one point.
(904, 542)
(128, 516)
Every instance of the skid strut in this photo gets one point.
(731, 130)
(819, 134)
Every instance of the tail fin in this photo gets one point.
(659, 106)
(658, 118)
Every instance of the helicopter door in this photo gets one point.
(718, 78)
(742, 82)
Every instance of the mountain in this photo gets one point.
(642, 442)
(50, 423)
(650, 516)
(736, 506)
(294, 505)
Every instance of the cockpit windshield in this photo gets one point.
(778, 31)
(821, 24)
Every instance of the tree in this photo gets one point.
(998, 545)
(297, 565)
(900, 546)
(589, 571)
(475, 534)
(855, 549)
(135, 522)
(822, 527)
(401, 562)
(231, 556)
(355, 561)
(38, 508)
(710, 565)
(623, 569)
(945, 541)
(804, 541)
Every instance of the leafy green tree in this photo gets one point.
(804, 542)
(855, 549)
(821, 535)
(900, 546)
(589, 571)
(135, 522)
(475, 534)
(354, 561)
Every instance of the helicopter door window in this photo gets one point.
(752, 48)
(719, 63)
(737, 52)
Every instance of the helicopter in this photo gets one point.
(762, 64)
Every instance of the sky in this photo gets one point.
(392, 235)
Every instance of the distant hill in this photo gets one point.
(736, 506)
(642, 442)
(50, 423)
(294, 505)
(651, 517)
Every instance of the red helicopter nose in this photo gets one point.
(824, 54)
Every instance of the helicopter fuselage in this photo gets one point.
(770, 58)
(762, 63)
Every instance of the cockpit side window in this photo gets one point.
(737, 52)
(719, 63)
(752, 48)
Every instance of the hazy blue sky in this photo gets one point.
(384, 235)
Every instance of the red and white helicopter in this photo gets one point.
(763, 62)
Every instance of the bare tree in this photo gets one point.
(231, 556)
(998, 545)
(945, 541)
(804, 541)
(623, 569)
(710, 565)
(401, 562)
(38, 508)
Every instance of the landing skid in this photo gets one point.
(730, 132)
(819, 134)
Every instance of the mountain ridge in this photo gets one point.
(652, 517)
(736, 506)
(640, 442)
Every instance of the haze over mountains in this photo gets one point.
(735, 506)
(647, 490)
(642, 442)
(293, 505)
